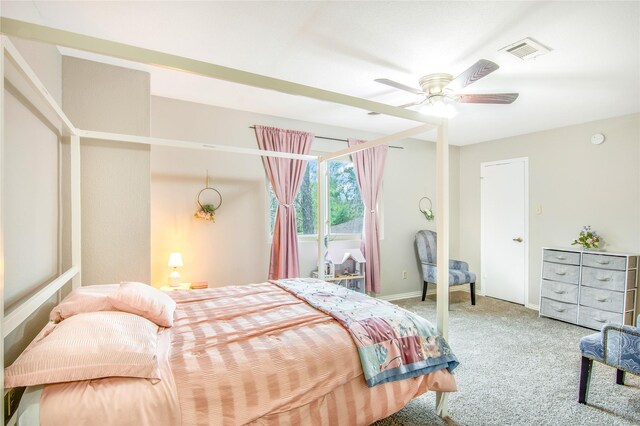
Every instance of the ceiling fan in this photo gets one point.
(438, 89)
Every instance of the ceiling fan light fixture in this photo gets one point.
(435, 83)
(438, 109)
(437, 100)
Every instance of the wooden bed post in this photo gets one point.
(76, 253)
(442, 204)
(322, 221)
(2, 39)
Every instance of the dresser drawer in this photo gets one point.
(595, 318)
(604, 278)
(563, 273)
(604, 261)
(606, 300)
(562, 292)
(559, 310)
(557, 256)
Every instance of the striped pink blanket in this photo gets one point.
(251, 354)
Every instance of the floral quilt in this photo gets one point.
(393, 343)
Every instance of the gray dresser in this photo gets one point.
(589, 288)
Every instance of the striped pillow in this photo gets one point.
(146, 301)
(88, 346)
(84, 299)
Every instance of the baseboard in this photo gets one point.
(532, 306)
(400, 296)
(409, 295)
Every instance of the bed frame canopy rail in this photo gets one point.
(18, 313)
(10, 27)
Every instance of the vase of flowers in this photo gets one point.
(588, 239)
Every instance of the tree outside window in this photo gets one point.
(346, 209)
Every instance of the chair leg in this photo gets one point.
(473, 293)
(585, 378)
(424, 289)
(619, 377)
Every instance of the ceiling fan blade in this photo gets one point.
(399, 86)
(410, 104)
(480, 69)
(400, 106)
(489, 98)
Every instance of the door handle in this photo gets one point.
(518, 240)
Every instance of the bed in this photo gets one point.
(341, 391)
(251, 354)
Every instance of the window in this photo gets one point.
(346, 209)
(345, 205)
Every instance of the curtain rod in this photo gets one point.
(339, 140)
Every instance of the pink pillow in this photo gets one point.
(84, 299)
(88, 346)
(146, 301)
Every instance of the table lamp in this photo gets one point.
(175, 262)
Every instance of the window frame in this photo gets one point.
(332, 236)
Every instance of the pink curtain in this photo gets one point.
(285, 175)
(369, 167)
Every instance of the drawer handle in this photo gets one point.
(599, 320)
(604, 279)
(602, 262)
(602, 299)
(559, 309)
(559, 292)
(560, 272)
(561, 257)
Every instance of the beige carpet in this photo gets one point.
(518, 369)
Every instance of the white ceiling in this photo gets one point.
(593, 71)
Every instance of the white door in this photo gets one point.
(504, 233)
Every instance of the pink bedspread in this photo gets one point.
(251, 354)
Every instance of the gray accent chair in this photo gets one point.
(458, 270)
(617, 346)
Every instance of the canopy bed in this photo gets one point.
(18, 313)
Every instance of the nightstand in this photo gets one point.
(181, 286)
(194, 285)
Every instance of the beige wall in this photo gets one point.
(235, 249)
(574, 182)
(114, 176)
(30, 201)
(46, 62)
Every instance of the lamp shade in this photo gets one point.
(175, 260)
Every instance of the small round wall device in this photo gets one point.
(597, 138)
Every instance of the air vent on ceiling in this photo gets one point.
(526, 49)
